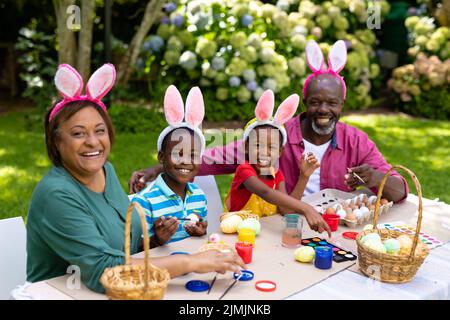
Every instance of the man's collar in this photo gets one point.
(296, 136)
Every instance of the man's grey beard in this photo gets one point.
(323, 132)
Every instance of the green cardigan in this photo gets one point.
(68, 224)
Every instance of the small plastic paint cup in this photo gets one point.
(246, 235)
(324, 257)
(245, 251)
(332, 220)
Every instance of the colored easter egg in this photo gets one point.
(371, 236)
(375, 245)
(368, 227)
(214, 238)
(405, 244)
(250, 223)
(392, 246)
(229, 225)
(304, 254)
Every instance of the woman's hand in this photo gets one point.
(165, 228)
(308, 164)
(315, 220)
(216, 261)
(196, 230)
(140, 178)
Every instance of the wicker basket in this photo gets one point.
(244, 214)
(388, 267)
(137, 282)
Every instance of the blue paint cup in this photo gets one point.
(324, 257)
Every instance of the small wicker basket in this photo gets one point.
(244, 214)
(137, 282)
(388, 267)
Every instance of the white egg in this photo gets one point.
(337, 207)
(342, 213)
(358, 213)
(365, 211)
(348, 202)
(361, 196)
(372, 199)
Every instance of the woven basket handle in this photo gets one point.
(419, 193)
(146, 240)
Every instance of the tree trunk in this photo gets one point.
(66, 37)
(126, 65)
(85, 38)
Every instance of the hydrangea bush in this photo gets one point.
(236, 49)
(423, 86)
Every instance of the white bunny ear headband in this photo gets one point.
(264, 111)
(174, 111)
(70, 84)
(337, 58)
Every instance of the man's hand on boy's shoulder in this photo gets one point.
(196, 230)
(165, 228)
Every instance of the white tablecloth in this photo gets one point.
(432, 281)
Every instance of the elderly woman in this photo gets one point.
(77, 212)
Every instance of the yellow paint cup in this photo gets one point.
(246, 235)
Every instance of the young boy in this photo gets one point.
(175, 208)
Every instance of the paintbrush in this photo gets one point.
(212, 283)
(231, 286)
(359, 178)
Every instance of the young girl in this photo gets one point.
(257, 185)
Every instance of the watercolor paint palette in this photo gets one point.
(339, 254)
(430, 241)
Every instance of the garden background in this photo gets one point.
(397, 75)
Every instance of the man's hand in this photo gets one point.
(369, 175)
(308, 164)
(140, 178)
(165, 228)
(196, 230)
(315, 220)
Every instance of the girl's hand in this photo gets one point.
(308, 164)
(196, 230)
(315, 220)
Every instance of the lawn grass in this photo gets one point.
(421, 145)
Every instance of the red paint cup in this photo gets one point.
(332, 220)
(245, 251)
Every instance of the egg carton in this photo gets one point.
(333, 198)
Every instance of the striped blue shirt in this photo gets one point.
(159, 200)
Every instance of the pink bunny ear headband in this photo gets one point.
(337, 59)
(264, 111)
(174, 111)
(70, 84)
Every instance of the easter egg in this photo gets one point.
(229, 225)
(392, 246)
(351, 216)
(341, 213)
(372, 199)
(358, 213)
(214, 238)
(250, 223)
(376, 245)
(372, 237)
(368, 227)
(304, 254)
(365, 211)
(405, 244)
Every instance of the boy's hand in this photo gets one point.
(196, 230)
(308, 164)
(165, 228)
